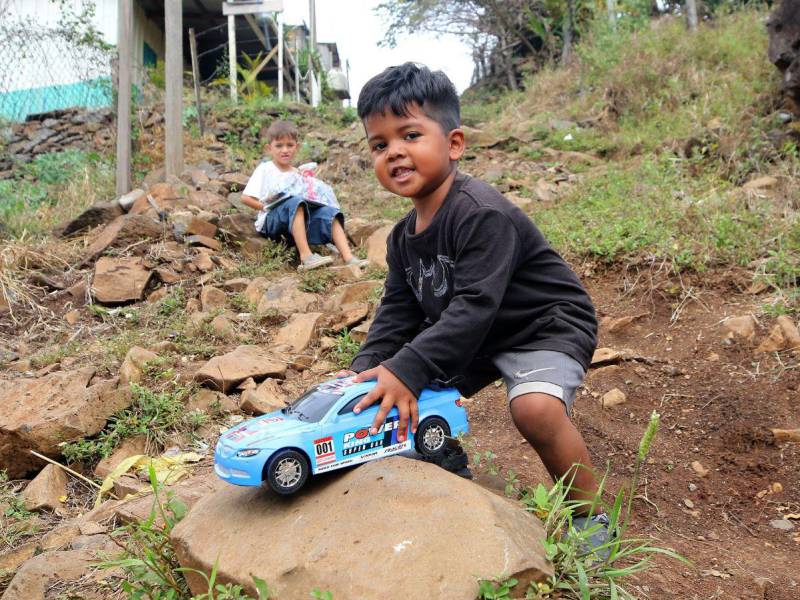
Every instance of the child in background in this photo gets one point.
(294, 205)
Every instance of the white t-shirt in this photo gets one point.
(268, 180)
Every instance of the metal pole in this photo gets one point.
(296, 67)
(312, 12)
(124, 26)
(232, 55)
(173, 131)
(196, 77)
(280, 56)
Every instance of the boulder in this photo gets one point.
(132, 367)
(41, 413)
(97, 214)
(46, 490)
(225, 372)
(255, 290)
(299, 332)
(428, 546)
(212, 298)
(284, 297)
(376, 246)
(267, 397)
(119, 280)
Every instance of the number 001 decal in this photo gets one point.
(324, 451)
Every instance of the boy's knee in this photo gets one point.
(541, 412)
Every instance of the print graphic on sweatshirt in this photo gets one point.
(437, 277)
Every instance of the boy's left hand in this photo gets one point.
(393, 393)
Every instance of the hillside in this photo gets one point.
(662, 165)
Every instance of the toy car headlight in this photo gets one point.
(247, 453)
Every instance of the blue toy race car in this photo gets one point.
(320, 432)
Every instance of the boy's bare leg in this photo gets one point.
(340, 241)
(299, 234)
(541, 419)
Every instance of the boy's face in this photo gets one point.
(411, 154)
(282, 151)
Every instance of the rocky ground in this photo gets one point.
(170, 289)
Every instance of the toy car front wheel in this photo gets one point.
(431, 437)
(287, 471)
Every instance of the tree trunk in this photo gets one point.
(566, 49)
(691, 14)
(507, 56)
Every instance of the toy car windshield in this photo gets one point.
(313, 405)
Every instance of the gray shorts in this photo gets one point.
(543, 371)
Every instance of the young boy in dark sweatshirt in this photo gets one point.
(474, 291)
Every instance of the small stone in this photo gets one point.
(613, 398)
(202, 240)
(202, 262)
(222, 327)
(247, 384)
(782, 524)
(133, 366)
(45, 491)
(212, 298)
(238, 284)
(699, 469)
(692, 487)
(740, 327)
(72, 316)
(688, 503)
(790, 332)
(266, 398)
(774, 342)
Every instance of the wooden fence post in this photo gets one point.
(124, 68)
(173, 131)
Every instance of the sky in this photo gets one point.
(356, 30)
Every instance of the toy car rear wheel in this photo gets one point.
(287, 471)
(431, 437)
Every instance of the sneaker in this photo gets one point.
(314, 261)
(359, 262)
(597, 536)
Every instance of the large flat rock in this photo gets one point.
(433, 535)
(224, 373)
(119, 280)
(41, 413)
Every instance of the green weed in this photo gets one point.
(14, 516)
(317, 281)
(274, 257)
(155, 415)
(345, 350)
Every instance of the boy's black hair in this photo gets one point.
(400, 86)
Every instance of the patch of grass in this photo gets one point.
(654, 210)
(53, 188)
(240, 303)
(345, 350)
(156, 415)
(317, 281)
(53, 354)
(274, 257)
(14, 517)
